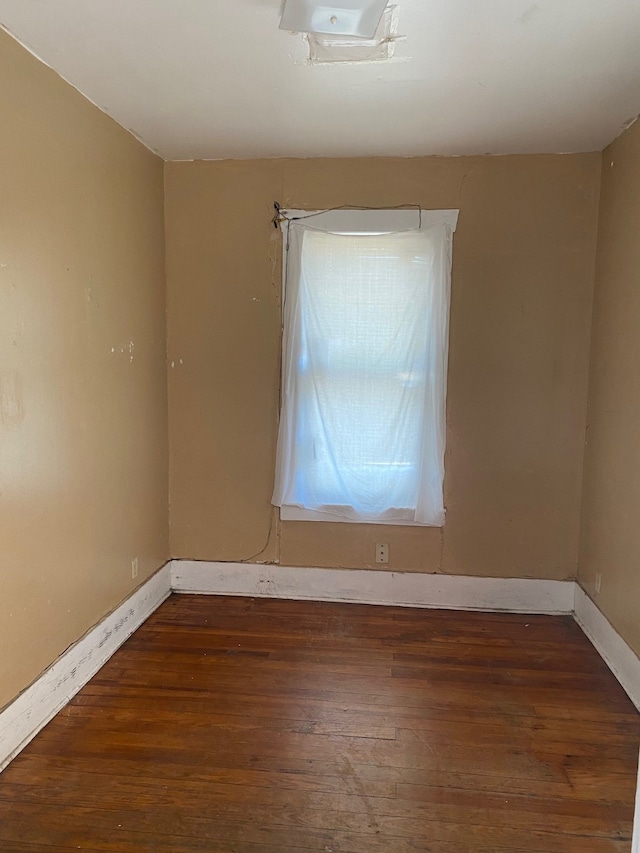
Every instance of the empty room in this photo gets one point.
(319, 426)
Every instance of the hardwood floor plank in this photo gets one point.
(413, 804)
(115, 712)
(102, 827)
(133, 720)
(371, 691)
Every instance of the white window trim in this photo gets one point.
(288, 512)
(350, 221)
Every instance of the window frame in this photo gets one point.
(354, 221)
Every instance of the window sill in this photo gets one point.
(398, 517)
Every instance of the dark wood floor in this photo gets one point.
(234, 725)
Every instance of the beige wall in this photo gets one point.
(610, 542)
(520, 325)
(82, 384)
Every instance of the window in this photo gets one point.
(362, 424)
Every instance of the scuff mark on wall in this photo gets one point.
(11, 399)
(530, 14)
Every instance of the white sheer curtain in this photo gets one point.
(362, 425)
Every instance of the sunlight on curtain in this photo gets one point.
(364, 379)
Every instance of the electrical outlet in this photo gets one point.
(382, 552)
(134, 568)
(598, 583)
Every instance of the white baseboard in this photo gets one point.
(621, 660)
(368, 586)
(635, 843)
(21, 721)
(616, 653)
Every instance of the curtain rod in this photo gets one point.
(279, 215)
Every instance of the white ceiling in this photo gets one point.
(210, 79)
